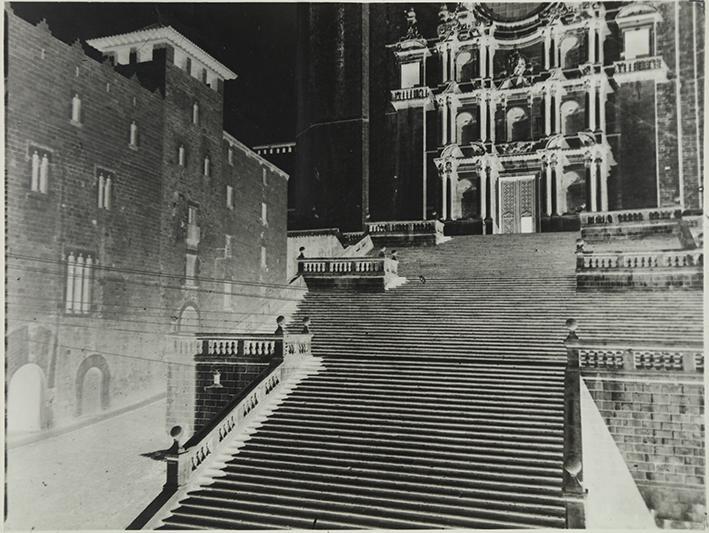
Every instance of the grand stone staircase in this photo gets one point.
(438, 404)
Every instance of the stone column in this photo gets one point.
(547, 111)
(444, 63)
(444, 122)
(483, 117)
(592, 42)
(594, 185)
(493, 198)
(603, 175)
(482, 48)
(602, 107)
(560, 192)
(548, 207)
(444, 193)
(557, 111)
(492, 104)
(454, 122)
(455, 208)
(483, 195)
(491, 59)
(592, 104)
(451, 64)
(547, 48)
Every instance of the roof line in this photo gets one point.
(249, 152)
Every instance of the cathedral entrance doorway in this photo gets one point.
(518, 213)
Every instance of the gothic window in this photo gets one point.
(572, 120)
(76, 109)
(517, 124)
(229, 197)
(133, 137)
(181, 156)
(636, 43)
(264, 214)
(39, 169)
(79, 275)
(105, 189)
(195, 113)
(410, 75)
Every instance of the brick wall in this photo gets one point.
(658, 425)
(137, 284)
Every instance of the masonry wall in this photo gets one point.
(114, 353)
(44, 228)
(658, 424)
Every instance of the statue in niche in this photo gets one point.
(518, 66)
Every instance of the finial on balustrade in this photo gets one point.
(573, 467)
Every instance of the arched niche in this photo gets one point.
(570, 49)
(467, 195)
(517, 122)
(465, 128)
(572, 117)
(574, 185)
(465, 66)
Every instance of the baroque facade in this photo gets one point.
(131, 213)
(515, 117)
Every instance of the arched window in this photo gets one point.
(195, 113)
(517, 124)
(570, 114)
(464, 128)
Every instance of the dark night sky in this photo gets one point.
(255, 40)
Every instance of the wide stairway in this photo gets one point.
(438, 404)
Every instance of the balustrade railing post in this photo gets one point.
(689, 363)
(572, 484)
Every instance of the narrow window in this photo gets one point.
(207, 166)
(264, 213)
(227, 294)
(229, 197)
(133, 134)
(230, 155)
(105, 190)
(195, 113)
(34, 184)
(71, 264)
(181, 155)
(191, 215)
(264, 266)
(264, 178)
(76, 109)
(44, 173)
(227, 246)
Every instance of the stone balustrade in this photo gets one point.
(614, 356)
(639, 260)
(640, 68)
(356, 266)
(629, 216)
(407, 232)
(239, 344)
(410, 93)
(186, 460)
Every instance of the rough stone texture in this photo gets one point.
(138, 291)
(658, 425)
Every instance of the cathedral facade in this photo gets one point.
(516, 117)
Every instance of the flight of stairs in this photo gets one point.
(439, 404)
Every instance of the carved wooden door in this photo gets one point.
(517, 205)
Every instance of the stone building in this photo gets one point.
(131, 213)
(504, 117)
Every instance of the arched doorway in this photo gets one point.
(93, 382)
(91, 392)
(25, 397)
(189, 320)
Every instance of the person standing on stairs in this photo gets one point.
(279, 332)
(306, 325)
(301, 255)
(383, 252)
